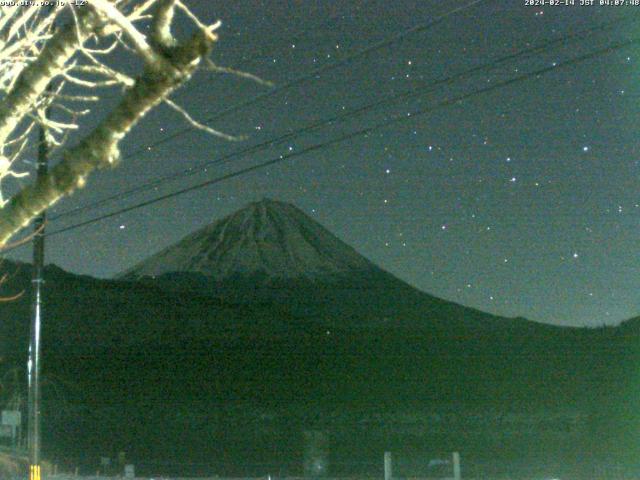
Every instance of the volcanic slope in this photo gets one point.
(271, 251)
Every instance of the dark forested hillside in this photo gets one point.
(139, 358)
(234, 351)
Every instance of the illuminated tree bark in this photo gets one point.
(64, 56)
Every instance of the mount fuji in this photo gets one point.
(267, 311)
(272, 252)
(269, 238)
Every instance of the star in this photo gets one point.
(551, 127)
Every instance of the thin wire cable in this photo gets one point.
(315, 73)
(292, 39)
(318, 71)
(418, 91)
(385, 124)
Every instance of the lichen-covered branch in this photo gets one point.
(53, 68)
(138, 39)
(34, 52)
(34, 78)
(101, 147)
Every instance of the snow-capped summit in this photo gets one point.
(268, 237)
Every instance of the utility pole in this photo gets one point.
(37, 279)
(33, 365)
(388, 466)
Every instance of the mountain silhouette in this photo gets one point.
(267, 315)
(272, 252)
(268, 238)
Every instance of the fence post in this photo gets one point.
(388, 466)
(456, 466)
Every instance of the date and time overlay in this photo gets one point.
(43, 3)
(582, 3)
(527, 3)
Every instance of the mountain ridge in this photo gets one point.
(342, 339)
(268, 237)
(271, 251)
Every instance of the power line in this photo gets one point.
(422, 90)
(320, 70)
(391, 121)
(292, 39)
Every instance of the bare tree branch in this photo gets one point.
(238, 73)
(34, 79)
(34, 54)
(139, 41)
(100, 148)
(200, 126)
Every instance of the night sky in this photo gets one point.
(524, 201)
